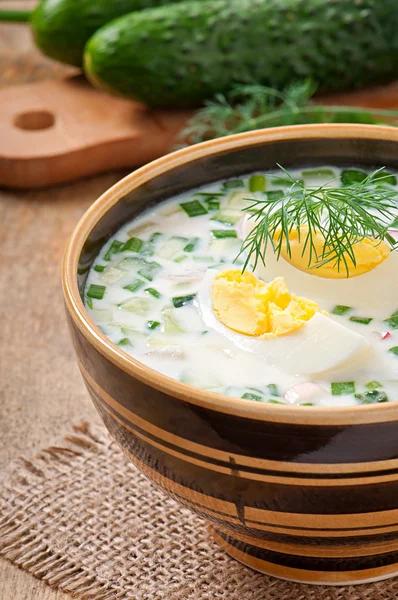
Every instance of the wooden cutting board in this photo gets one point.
(58, 130)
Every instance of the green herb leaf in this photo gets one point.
(180, 301)
(273, 389)
(153, 292)
(153, 324)
(194, 208)
(372, 397)
(134, 286)
(220, 234)
(232, 184)
(392, 322)
(373, 385)
(341, 310)
(250, 107)
(352, 176)
(96, 291)
(248, 396)
(343, 216)
(99, 268)
(361, 320)
(114, 248)
(257, 183)
(134, 244)
(341, 388)
(191, 245)
(394, 350)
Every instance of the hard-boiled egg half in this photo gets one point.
(287, 331)
(373, 281)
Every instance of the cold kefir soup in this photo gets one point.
(276, 287)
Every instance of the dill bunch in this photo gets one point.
(343, 216)
(251, 106)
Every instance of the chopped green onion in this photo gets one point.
(212, 204)
(89, 302)
(340, 310)
(134, 244)
(228, 217)
(362, 320)
(274, 195)
(352, 176)
(373, 385)
(224, 233)
(194, 208)
(153, 292)
(394, 350)
(96, 291)
(124, 342)
(153, 324)
(392, 322)
(386, 177)
(192, 245)
(99, 268)
(233, 183)
(285, 181)
(181, 258)
(274, 401)
(155, 237)
(180, 301)
(342, 388)
(273, 389)
(247, 396)
(114, 248)
(204, 332)
(83, 270)
(318, 173)
(257, 183)
(306, 404)
(134, 286)
(149, 270)
(372, 396)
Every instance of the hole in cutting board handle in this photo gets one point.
(34, 120)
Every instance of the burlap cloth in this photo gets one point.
(84, 520)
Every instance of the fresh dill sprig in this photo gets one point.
(343, 216)
(250, 107)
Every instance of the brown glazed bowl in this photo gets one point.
(305, 494)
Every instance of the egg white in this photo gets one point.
(320, 346)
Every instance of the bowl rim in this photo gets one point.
(213, 400)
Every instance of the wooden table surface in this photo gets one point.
(41, 391)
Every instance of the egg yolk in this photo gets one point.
(368, 254)
(247, 305)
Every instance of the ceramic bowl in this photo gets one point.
(305, 494)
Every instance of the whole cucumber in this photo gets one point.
(182, 54)
(61, 28)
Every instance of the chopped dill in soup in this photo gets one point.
(277, 287)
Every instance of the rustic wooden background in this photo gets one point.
(40, 387)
